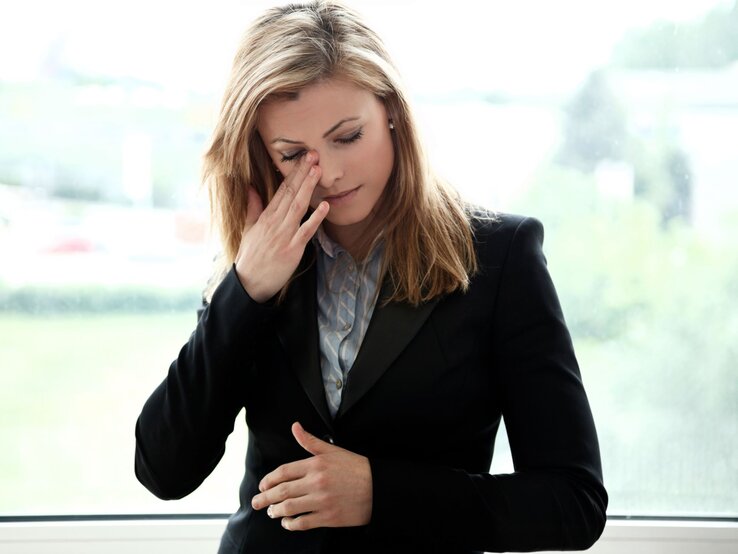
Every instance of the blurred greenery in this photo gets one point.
(594, 125)
(597, 130)
(55, 139)
(652, 314)
(708, 43)
(75, 385)
(96, 299)
(649, 301)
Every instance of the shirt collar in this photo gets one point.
(332, 249)
(327, 244)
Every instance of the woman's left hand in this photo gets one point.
(331, 489)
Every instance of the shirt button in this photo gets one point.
(339, 384)
(329, 439)
(347, 327)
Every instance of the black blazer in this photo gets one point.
(423, 402)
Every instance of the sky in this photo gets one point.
(483, 44)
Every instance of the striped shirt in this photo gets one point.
(346, 297)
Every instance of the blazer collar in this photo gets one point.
(297, 329)
(390, 330)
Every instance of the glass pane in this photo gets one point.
(616, 134)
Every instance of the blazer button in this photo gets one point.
(328, 438)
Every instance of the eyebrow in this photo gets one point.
(328, 132)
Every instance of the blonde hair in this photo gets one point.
(428, 247)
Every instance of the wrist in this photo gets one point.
(256, 293)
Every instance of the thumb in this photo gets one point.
(254, 206)
(309, 442)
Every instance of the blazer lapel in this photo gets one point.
(390, 330)
(298, 332)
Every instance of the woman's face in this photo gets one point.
(348, 127)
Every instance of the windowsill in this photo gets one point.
(196, 534)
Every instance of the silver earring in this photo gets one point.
(391, 124)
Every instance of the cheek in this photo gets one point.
(380, 154)
(384, 158)
(315, 199)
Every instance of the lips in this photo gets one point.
(335, 198)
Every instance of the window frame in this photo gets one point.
(196, 533)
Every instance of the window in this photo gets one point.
(612, 124)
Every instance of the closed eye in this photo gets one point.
(348, 140)
(353, 138)
(293, 157)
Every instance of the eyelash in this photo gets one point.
(353, 138)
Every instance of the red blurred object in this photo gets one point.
(74, 245)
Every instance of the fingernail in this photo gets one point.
(310, 158)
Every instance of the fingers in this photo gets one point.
(301, 201)
(302, 523)
(286, 472)
(310, 442)
(292, 184)
(335, 491)
(279, 493)
(291, 507)
(308, 229)
(280, 484)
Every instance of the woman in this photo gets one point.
(374, 327)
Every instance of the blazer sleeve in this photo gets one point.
(555, 499)
(182, 429)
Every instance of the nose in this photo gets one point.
(331, 170)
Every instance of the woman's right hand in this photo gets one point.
(274, 239)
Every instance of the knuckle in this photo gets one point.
(289, 189)
(324, 500)
(265, 218)
(303, 234)
(287, 507)
(298, 206)
(321, 480)
(280, 493)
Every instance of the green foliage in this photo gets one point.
(662, 172)
(68, 140)
(709, 43)
(596, 130)
(594, 125)
(651, 308)
(96, 299)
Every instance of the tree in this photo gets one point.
(594, 126)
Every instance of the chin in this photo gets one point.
(344, 219)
